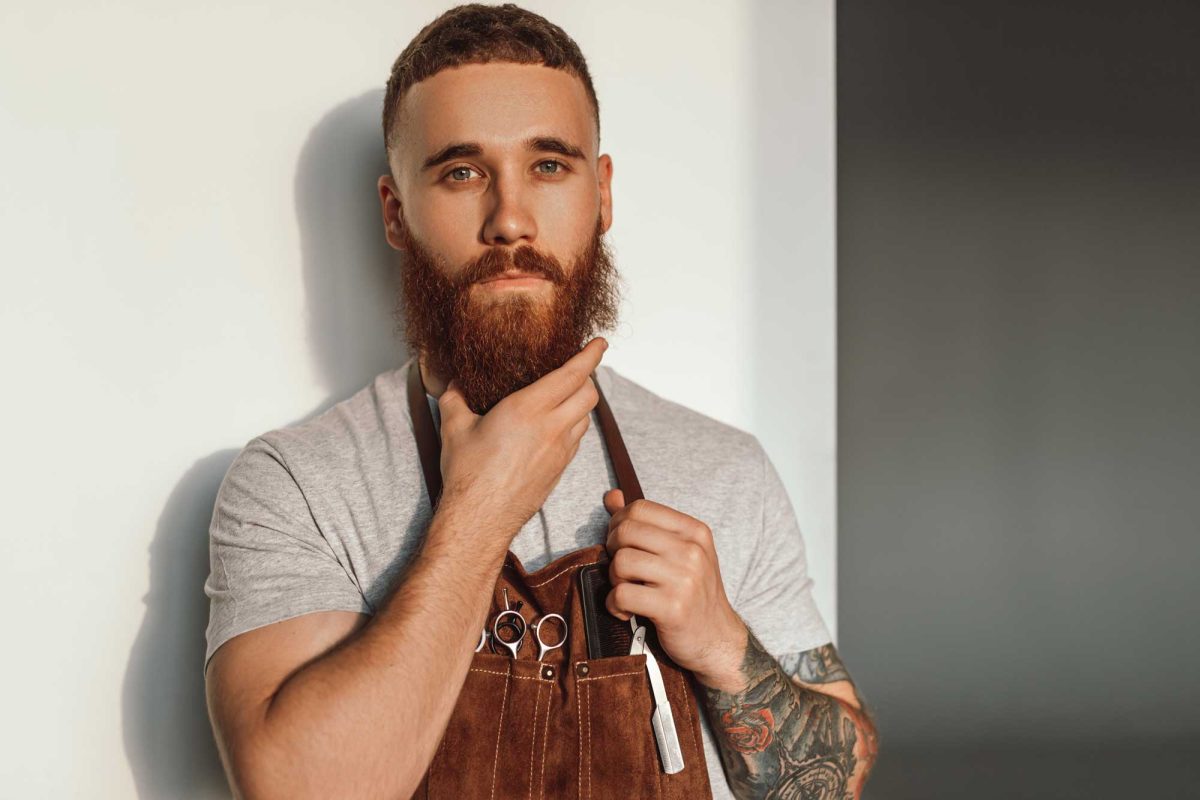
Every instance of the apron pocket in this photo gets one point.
(495, 740)
(616, 741)
(463, 764)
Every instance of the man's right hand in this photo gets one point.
(505, 463)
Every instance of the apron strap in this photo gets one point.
(627, 479)
(429, 443)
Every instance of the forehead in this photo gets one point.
(498, 105)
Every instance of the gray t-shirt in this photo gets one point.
(325, 514)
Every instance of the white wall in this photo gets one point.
(191, 255)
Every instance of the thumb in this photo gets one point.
(452, 400)
(614, 500)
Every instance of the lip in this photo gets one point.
(512, 275)
(513, 280)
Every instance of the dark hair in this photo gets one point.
(476, 34)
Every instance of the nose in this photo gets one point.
(508, 221)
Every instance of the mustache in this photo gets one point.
(498, 260)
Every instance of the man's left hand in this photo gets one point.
(664, 567)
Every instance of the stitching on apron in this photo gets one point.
(614, 675)
(687, 694)
(499, 730)
(537, 699)
(579, 725)
(589, 702)
(560, 572)
(518, 677)
(545, 736)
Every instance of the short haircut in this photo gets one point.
(476, 34)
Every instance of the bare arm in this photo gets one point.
(363, 721)
(796, 730)
(361, 716)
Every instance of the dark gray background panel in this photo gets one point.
(1019, 383)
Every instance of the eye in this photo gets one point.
(458, 171)
(558, 166)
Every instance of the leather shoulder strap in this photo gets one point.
(429, 443)
(627, 479)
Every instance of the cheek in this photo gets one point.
(566, 225)
(447, 229)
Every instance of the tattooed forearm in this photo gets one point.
(780, 740)
(820, 665)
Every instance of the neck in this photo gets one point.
(434, 384)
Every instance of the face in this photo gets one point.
(496, 173)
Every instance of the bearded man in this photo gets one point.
(383, 575)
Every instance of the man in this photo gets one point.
(345, 613)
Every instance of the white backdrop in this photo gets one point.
(192, 255)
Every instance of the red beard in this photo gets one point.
(492, 347)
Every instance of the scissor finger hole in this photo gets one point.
(554, 640)
(509, 631)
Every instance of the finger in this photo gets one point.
(614, 500)
(579, 404)
(558, 384)
(452, 403)
(631, 564)
(571, 455)
(661, 516)
(578, 429)
(643, 536)
(635, 598)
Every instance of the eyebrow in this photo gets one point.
(534, 144)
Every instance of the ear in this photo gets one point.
(604, 170)
(393, 212)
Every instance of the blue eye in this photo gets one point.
(558, 167)
(458, 170)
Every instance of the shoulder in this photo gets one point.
(360, 428)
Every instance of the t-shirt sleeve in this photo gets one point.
(268, 560)
(775, 598)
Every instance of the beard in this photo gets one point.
(492, 343)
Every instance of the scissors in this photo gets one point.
(511, 622)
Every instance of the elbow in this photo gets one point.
(252, 776)
(258, 770)
(866, 748)
(275, 774)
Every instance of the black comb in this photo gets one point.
(606, 635)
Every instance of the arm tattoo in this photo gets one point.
(782, 741)
(821, 665)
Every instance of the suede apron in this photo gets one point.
(567, 726)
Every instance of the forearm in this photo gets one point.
(779, 739)
(364, 719)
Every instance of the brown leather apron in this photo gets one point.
(567, 726)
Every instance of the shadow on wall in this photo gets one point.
(349, 268)
(350, 288)
(167, 734)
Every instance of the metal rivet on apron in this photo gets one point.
(547, 672)
(581, 669)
